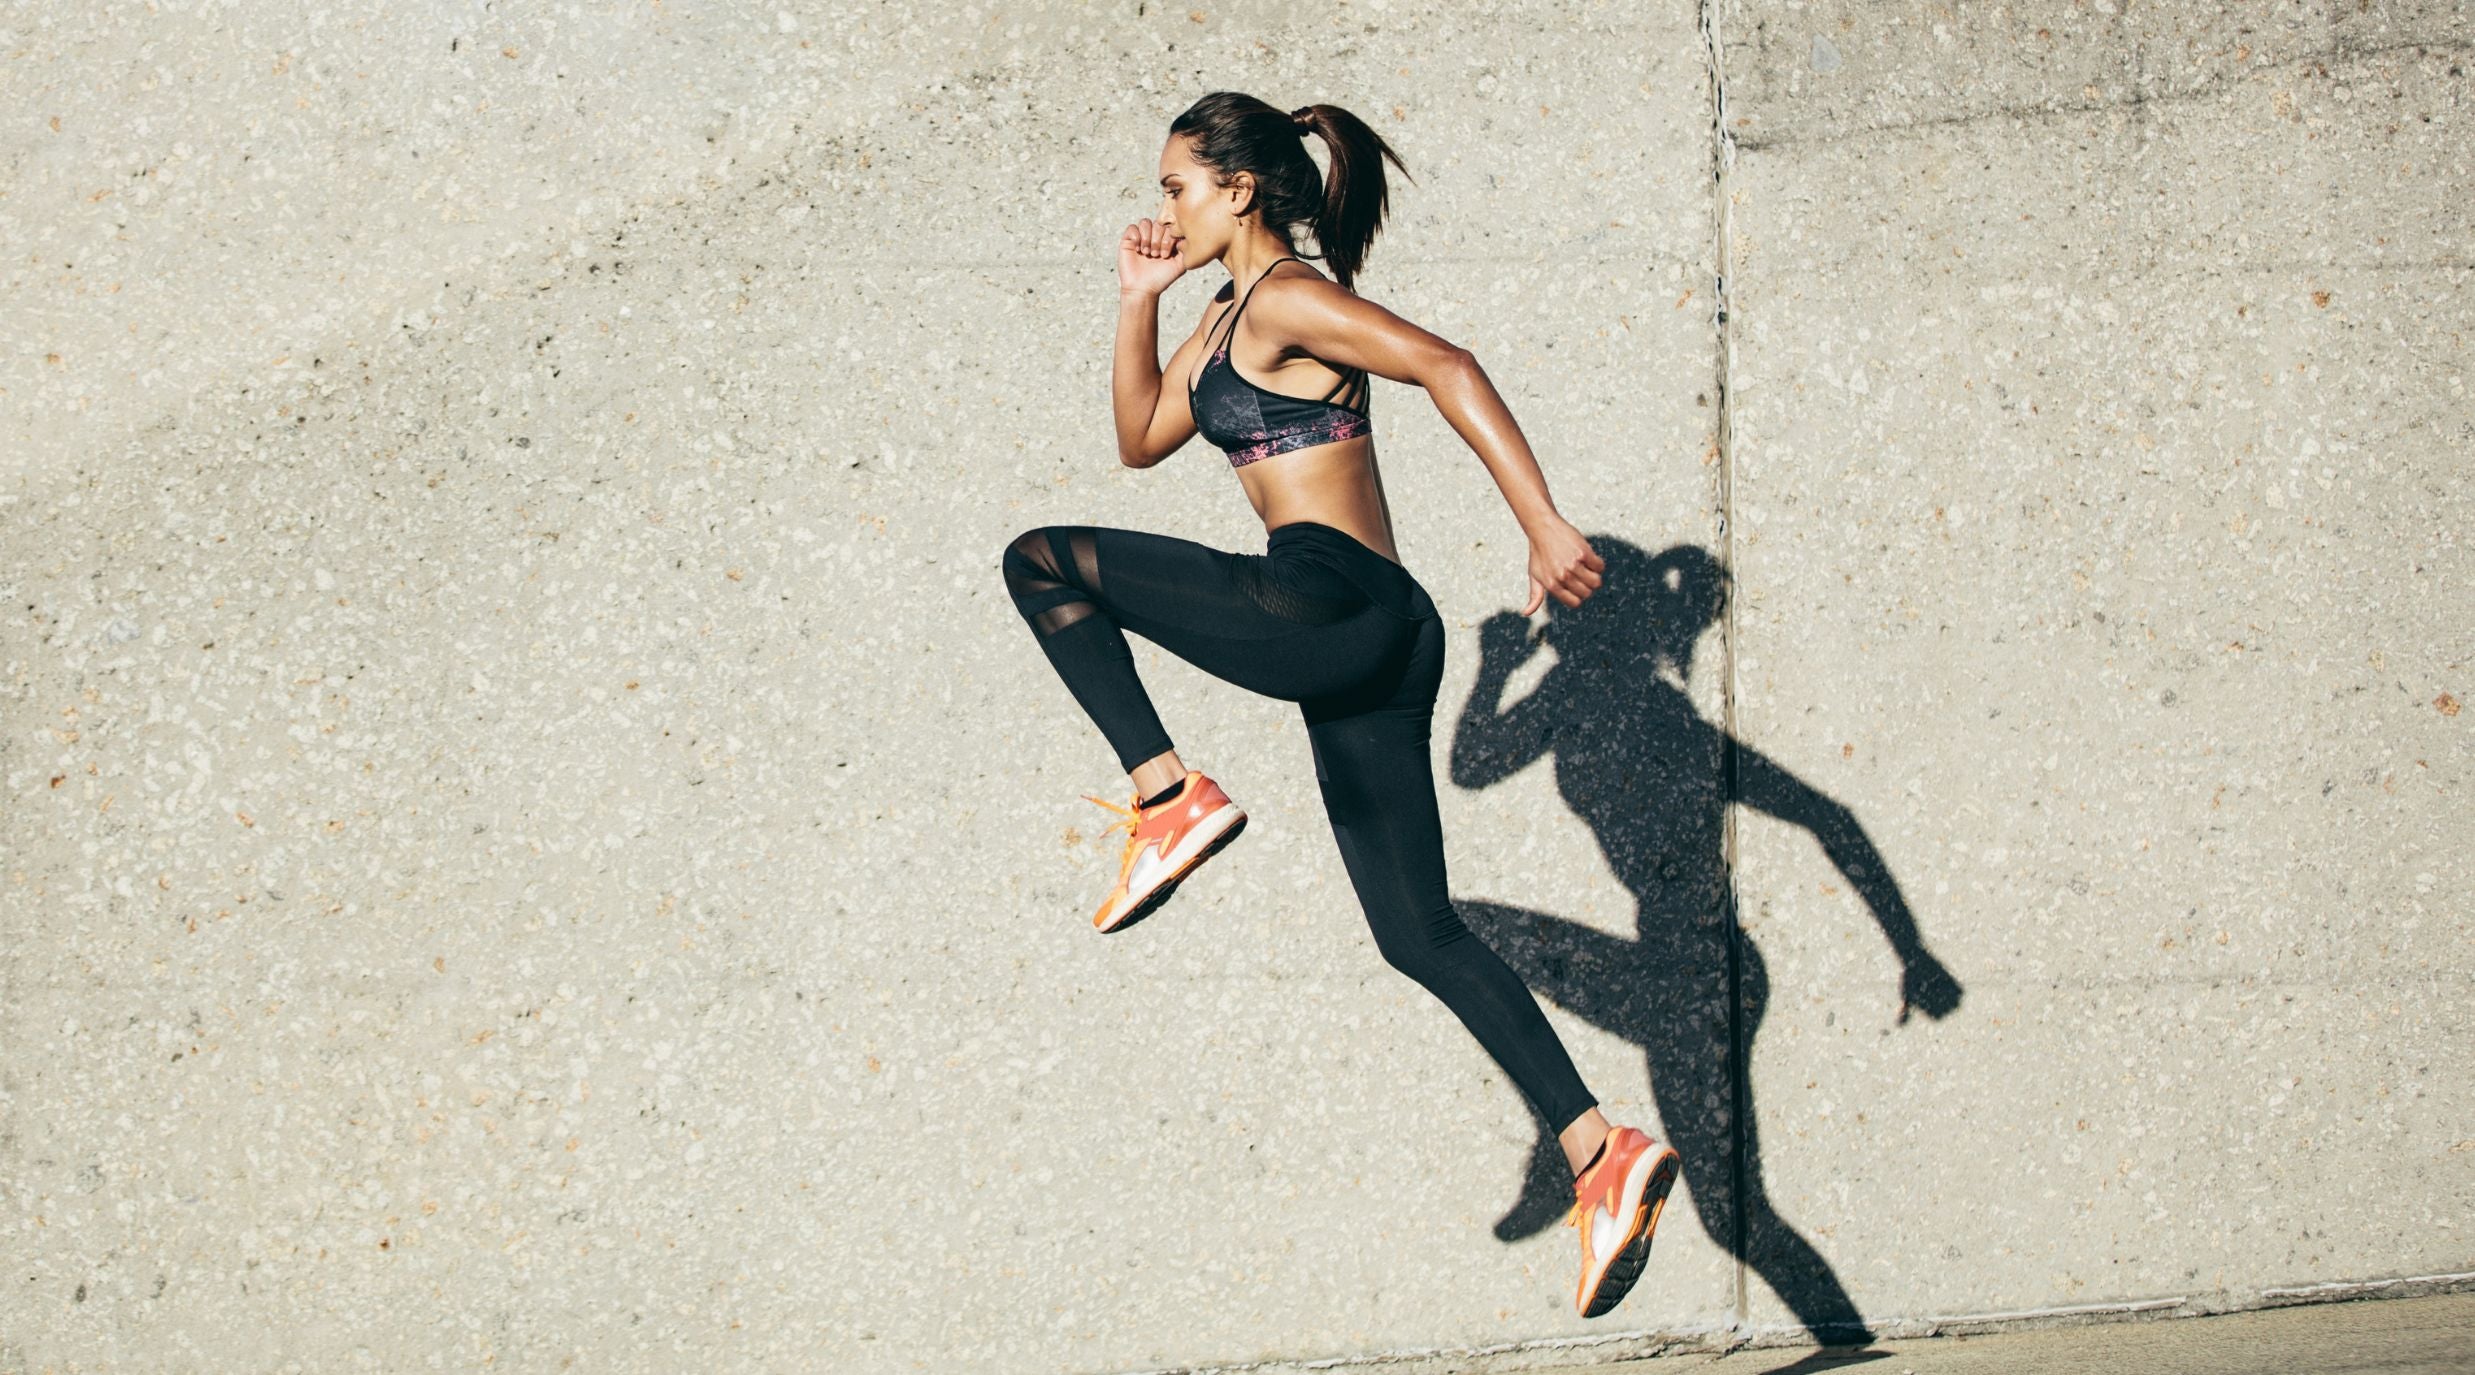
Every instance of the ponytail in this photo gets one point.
(1355, 198)
(1234, 132)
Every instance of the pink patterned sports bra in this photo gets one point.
(1250, 422)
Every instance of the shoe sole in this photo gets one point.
(1152, 901)
(1635, 1253)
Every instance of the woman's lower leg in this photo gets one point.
(1583, 1138)
(1081, 587)
(1378, 784)
(1053, 575)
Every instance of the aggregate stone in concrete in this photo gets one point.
(535, 835)
(2098, 485)
(2416, 1336)
(1829, 69)
(209, 196)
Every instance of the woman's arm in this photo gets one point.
(1153, 420)
(1349, 331)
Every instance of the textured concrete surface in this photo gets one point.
(2099, 478)
(535, 838)
(2431, 1336)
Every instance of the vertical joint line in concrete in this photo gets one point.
(1740, 1098)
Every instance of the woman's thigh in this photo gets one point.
(1373, 742)
(1374, 764)
(1401, 691)
(1236, 616)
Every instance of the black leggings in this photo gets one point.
(1321, 620)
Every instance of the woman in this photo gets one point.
(1275, 374)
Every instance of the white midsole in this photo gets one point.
(1636, 1186)
(1206, 831)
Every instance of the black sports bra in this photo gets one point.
(1250, 422)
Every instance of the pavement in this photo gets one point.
(2417, 1336)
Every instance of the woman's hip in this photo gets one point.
(1335, 563)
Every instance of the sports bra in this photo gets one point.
(1250, 422)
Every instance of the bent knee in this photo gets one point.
(1422, 946)
(1030, 548)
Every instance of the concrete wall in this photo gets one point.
(535, 837)
(2101, 431)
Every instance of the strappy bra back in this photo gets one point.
(1249, 422)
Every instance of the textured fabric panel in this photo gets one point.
(1039, 590)
(1259, 579)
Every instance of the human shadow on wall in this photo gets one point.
(1635, 760)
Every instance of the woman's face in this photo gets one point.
(1192, 208)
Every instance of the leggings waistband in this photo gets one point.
(1387, 584)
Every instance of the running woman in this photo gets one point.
(1275, 375)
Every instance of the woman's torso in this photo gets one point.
(1333, 483)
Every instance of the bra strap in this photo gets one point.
(1250, 293)
(1350, 377)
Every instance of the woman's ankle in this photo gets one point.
(1584, 1140)
(1155, 799)
(1157, 774)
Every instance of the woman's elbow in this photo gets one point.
(1450, 365)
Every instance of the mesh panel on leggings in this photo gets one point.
(1036, 577)
(1253, 577)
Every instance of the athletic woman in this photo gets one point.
(1275, 374)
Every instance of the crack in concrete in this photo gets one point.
(2137, 99)
(1740, 1097)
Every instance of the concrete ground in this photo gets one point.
(2419, 1336)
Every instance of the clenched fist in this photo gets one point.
(1149, 257)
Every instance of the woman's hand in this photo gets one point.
(1562, 562)
(1148, 258)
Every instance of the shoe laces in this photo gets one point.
(1132, 818)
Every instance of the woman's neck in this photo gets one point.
(1248, 264)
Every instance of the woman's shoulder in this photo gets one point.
(1306, 272)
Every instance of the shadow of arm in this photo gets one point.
(1762, 783)
(1489, 746)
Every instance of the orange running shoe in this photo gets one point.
(1163, 845)
(1616, 1206)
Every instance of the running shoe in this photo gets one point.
(1163, 845)
(1616, 1206)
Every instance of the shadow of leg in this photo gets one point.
(1546, 1189)
(1788, 1263)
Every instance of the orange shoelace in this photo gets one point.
(1133, 817)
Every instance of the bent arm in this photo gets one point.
(1346, 330)
(1153, 419)
(1469, 402)
(1766, 785)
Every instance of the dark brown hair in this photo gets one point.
(1234, 132)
